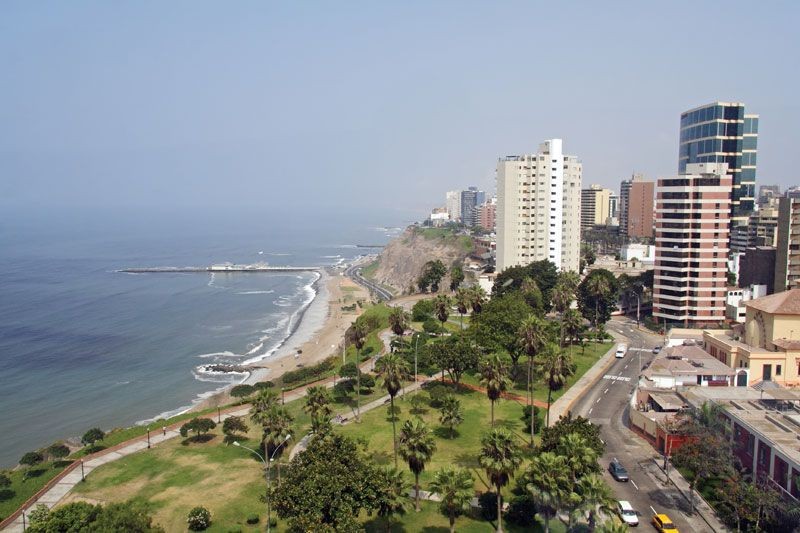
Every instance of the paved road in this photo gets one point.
(354, 272)
(606, 404)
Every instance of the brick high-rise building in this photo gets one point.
(692, 232)
(486, 216)
(636, 207)
(787, 258)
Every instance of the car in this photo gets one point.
(618, 471)
(621, 349)
(663, 524)
(627, 513)
(657, 349)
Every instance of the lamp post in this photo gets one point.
(83, 475)
(267, 467)
(148, 437)
(416, 349)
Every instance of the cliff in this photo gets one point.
(401, 261)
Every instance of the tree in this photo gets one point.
(242, 391)
(455, 354)
(232, 426)
(275, 425)
(612, 525)
(327, 486)
(544, 272)
(572, 322)
(81, 516)
(500, 457)
(556, 366)
(497, 326)
(533, 334)
(547, 481)
(441, 307)
(597, 296)
(533, 295)
(456, 277)
(393, 369)
(422, 310)
(431, 275)
(455, 488)
(5, 481)
(416, 448)
(494, 376)
(31, 459)
(93, 435)
(57, 451)
(200, 426)
(704, 455)
(318, 407)
(477, 299)
(567, 424)
(391, 494)
(357, 334)
(262, 402)
(451, 413)
(579, 456)
(462, 301)
(398, 320)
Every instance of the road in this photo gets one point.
(606, 404)
(354, 272)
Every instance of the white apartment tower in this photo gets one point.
(539, 208)
(453, 205)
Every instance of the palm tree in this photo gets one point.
(265, 399)
(451, 413)
(556, 368)
(462, 300)
(494, 376)
(596, 497)
(500, 457)
(580, 458)
(477, 298)
(317, 406)
(394, 369)
(358, 336)
(455, 487)
(398, 320)
(532, 336)
(392, 494)
(275, 423)
(547, 480)
(598, 287)
(416, 448)
(573, 325)
(441, 308)
(612, 525)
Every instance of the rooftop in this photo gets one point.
(687, 360)
(783, 303)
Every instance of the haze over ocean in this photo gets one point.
(83, 346)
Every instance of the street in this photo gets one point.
(606, 404)
(354, 272)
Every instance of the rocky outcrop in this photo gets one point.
(401, 261)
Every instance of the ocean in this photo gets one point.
(82, 345)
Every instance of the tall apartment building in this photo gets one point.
(470, 200)
(595, 203)
(453, 205)
(787, 256)
(538, 208)
(613, 205)
(692, 232)
(760, 231)
(768, 195)
(636, 207)
(487, 215)
(721, 132)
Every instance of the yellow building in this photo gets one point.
(767, 348)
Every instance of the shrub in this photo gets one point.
(526, 418)
(242, 391)
(488, 504)
(199, 519)
(93, 435)
(39, 514)
(94, 448)
(273, 522)
(432, 326)
(307, 373)
(521, 510)
(31, 458)
(367, 381)
(263, 385)
(348, 370)
(422, 310)
(437, 392)
(253, 519)
(57, 451)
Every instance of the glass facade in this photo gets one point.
(722, 133)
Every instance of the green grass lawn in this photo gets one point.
(25, 483)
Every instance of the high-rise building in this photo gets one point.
(787, 256)
(486, 216)
(636, 207)
(453, 205)
(613, 205)
(760, 231)
(721, 132)
(595, 202)
(470, 200)
(768, 195)
(692, 232)
(793, 192)
(538, 208)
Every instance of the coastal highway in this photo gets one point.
(606, 404)
(354, 272)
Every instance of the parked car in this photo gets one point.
(627, 513)
(621, 349)
(618, 471)
(663, 524)
(657, 349)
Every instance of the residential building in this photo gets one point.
(645, 253)
(757, 267)
(768, 195)
(486, 215)
(538, 208)
(470, 200)
(453, 205)
(595, 203)
(761, 230)
(735, 309)
(787, 256)
(613, 205)
(793, 192)
(636, 207)
(721, 132)
(692, 230)
(439, 216)
(686, 366)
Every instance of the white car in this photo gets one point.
(627, 513)
(621, 350)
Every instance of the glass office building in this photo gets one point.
(722, 133)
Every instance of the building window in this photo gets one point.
(778, 370)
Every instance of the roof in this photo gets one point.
(687, 360)
(783, 303)
(787, 344)
(668, 401)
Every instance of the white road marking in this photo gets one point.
(605, 391)
(634, 484)
(601, 440)
(598, 400)
(590, 410)
(617, 378)
(654, 511)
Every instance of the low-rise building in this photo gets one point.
(638, 252)
(684, 366)
(734, 302)
(439, 216)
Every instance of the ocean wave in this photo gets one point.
(218, 354)
(256, 292)
(331, 256)
(256, 348)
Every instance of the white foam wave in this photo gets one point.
(331, 256)
(218, 354)
(256, 348)
(256, 292)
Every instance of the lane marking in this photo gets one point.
(598, 400)
(590, 410)
(601, 440)
(634, 484)
(616, 378)
(605, 391)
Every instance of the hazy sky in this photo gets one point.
(349, 103)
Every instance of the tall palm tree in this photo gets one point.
(580, 458)
(451, 413)
(573, 325)
(612, 525)
(456, 489)
(477, 298)
(494, 376)
(596, 498)
(318, 407)
(265, 399)
(392, 494)
(394, 369)
(500, 457)
(598, 287)
(358, 336)
(398, 320)
(556, 368)
(441, 308)
(462, 300)
(416, 448)
(547, 481)
(275, 424)
(533, 334)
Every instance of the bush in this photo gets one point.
(57, 451)
(263, 385)
(253, 519)
(437, 392)
(39, 514)
(31, 458)
(526, 418)
(309, 373)
(521, 510)
(431, 325)
(242, 391)
(422, 310)
(273, 522)
(199, 519)
(367, 381)
(488, 504)
(94, 448)
(93, 435)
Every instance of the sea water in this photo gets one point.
(83, 345)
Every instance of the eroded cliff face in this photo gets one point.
(401, 261)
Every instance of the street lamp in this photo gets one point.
(267, 467)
